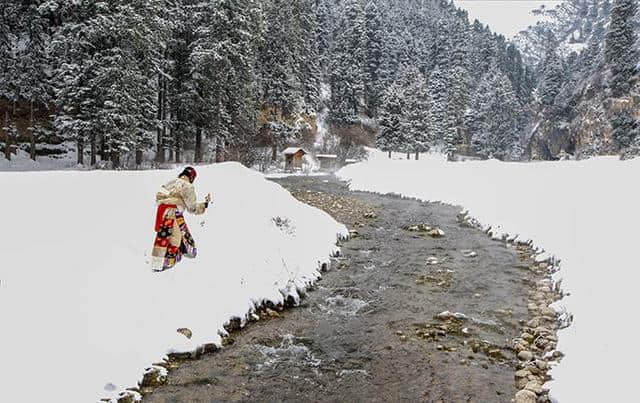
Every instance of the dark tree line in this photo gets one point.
(171, 80)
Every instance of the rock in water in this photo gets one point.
(525, 355)
(431, 260)
(526, 396)
(444, 315)
(468, 253)
(534, 386)
(436, 233)
(185, 332)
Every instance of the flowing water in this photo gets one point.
(372, 328)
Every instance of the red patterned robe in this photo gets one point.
(173, 239)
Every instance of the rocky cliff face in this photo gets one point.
(583, 119)
(590, 131)
(569, 27)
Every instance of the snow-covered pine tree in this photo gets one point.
(348, 70)
(503, 127)
(106, 89)
(458, 78)
(414, 119)
(626, 129)
(437, 112)
(281, 86)
(478, 117)
(242, 86)
(493, 119)
(8, 91)
(392, 53)
(552, 79)
(32, 65)
(373, 56)
(225, 83)
(389, 136)
(621, 55)
(322, 34)
(306, 54)
(181, 88)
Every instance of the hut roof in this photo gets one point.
(326, 156)
(293, 150)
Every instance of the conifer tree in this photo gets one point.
(414, 119)
(348, 70)
(437, 113)
(390, 129)
(373, 56)
(621, 54)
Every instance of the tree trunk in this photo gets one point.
(408, 155)
(417, 155)
(389, 154)
(164, 120)
(274, 152)
(115, 159)
(93, 149)
(160, 139)
(103, 149)
(219, 150)
(32, 132)
(7, 136)
(80, 148)
(138, 157)
(198, 150)
(176, 144)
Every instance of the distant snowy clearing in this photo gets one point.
(587, 213)
(83, 315)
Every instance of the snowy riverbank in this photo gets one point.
(83, 315)
(584, 212)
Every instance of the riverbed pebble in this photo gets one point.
(525, 355)
(525, 396)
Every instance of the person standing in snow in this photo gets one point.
(173, 239)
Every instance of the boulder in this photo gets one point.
(468, 253)
(534, 386)
(525, 396)
(525, 355)
(185, 332)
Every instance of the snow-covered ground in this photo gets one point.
(587, 213)
(82, 314)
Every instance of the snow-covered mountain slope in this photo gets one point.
(585, 213)
(83, 315)
(568, 27)
(577, 109)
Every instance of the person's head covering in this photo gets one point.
(190, 173)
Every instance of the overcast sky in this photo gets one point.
(507, 17)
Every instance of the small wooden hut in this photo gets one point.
(293, 158)
(328, 162)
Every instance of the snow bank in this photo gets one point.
(80, 308)
(587, 213)
(21, 161)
